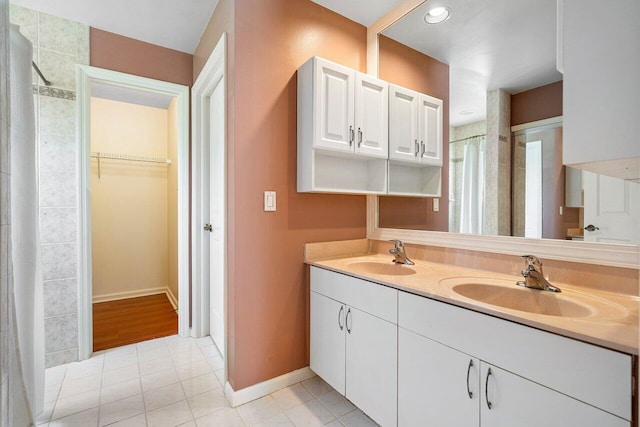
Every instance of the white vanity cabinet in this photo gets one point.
(342, 129)
(415, 143)
(354, 341)
(437, 385)
(536, 378)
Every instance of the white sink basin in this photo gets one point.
(379, 268)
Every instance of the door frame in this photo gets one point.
(213, 74)
(85, 75)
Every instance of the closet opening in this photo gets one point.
(134, 207)
(134, 210)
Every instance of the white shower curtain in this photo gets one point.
(472, 194)
(27, 275)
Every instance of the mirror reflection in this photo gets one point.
(504, 174)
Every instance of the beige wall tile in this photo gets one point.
(56, 34)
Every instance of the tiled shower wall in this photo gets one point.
(59, 45)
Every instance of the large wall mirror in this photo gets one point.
(493, 62)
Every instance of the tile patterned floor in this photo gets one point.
(177, 381)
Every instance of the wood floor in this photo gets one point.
(127, 321)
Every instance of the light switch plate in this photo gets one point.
(436, 205)
(269, 201)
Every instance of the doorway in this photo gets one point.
(133, 197)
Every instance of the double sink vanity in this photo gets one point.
(444, 345)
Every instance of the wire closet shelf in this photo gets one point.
(127, 157)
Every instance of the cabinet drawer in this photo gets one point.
(586, 372)
(372, 298)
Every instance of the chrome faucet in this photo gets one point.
(398, 252)
(533, 277)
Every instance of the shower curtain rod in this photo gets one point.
(35, 67)
(469, 137)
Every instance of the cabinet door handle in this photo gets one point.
(346, 322)
(417, 147)
(351, 136)
(359, 137)
(423, 148)
(486, 389)
(469, 392)
(340, 324)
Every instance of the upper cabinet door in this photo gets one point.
(334, 108)
(430, 118)
(372, 116)
(403, 124)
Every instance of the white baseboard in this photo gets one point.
(256, 391)
(131, 294)
(172, 299)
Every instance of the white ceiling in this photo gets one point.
(176, 24)
(488, 44)
(364, 12)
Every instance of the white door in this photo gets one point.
(612, 207)
(372, 116)
(217, 239)
(327, 358)
(518, 402)
(403, 124)
(430, 124)
(372, 366)
(437, 385)
(334, 106)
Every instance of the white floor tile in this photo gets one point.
(317, 386)
(159, 379)
(77, 403)
(118, 391)
(118, 375)
(357, 419)
(204, 341)
(145, 356)
(170, 416)
(291, 396)
(194, 369)
(155, 365)
(137, 421)
(82, 419)
(336, 403)
(216, 362)
(80, 386)
(280, 420)
(259, 410)
(309, 414)
(163, 396)
(121, 410)
(206, 403)
(227, 417)
(85, 368)
(200, 384)
(220, 375)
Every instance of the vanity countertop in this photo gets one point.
(614, 325)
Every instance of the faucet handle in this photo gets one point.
(532, 261)
(398, 243)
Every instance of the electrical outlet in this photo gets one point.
(436, 205)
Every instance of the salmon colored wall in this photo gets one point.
(267, 282)
(409, 68)
(131, 56)
(129, 200)
(536, 104)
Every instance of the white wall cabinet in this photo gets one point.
(342, 129)
(415, 143)
(601, 64)
(354, 341)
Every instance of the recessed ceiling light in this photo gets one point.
(437, 15)
(465, 112)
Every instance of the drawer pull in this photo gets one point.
(486, 389)
(347, 320)
(340, 324)
(469, 392)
